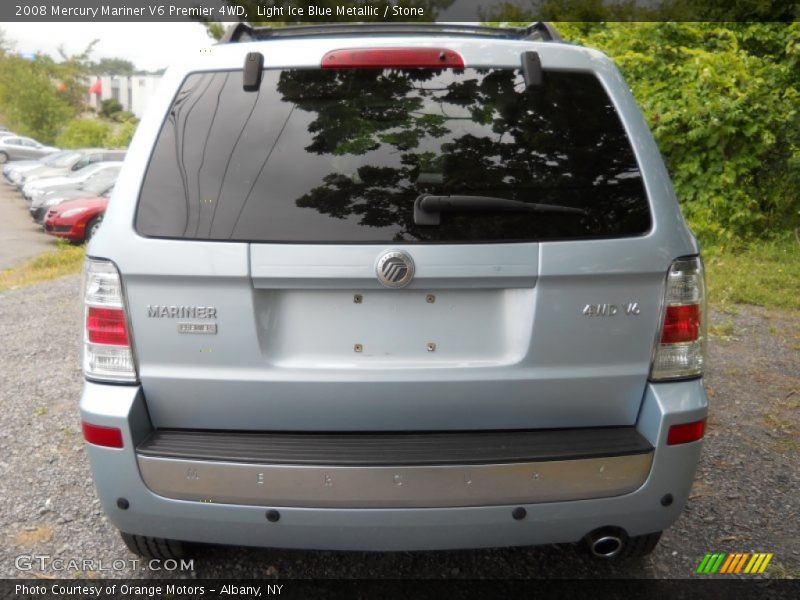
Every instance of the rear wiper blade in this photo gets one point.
(428, 209)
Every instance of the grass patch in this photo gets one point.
(723, 331)
(64, 260)
(763, 273)
(788, 445)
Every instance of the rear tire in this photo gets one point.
(640, 546)
(3, 158)
(153, 547)
(91, 228)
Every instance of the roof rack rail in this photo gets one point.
(242, 32)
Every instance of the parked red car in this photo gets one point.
(76, 220)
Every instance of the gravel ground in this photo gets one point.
(20, 238)
(745, 497)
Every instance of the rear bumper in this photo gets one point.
(118, 474)
(395, 470)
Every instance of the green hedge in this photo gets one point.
(722, 101)
(84, 133)
(91, 133)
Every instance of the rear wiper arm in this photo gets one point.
(428, 209)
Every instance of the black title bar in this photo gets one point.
(209, 589)
(301, 11)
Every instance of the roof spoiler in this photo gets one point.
(243, 32)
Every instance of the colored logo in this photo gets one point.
(735, 563)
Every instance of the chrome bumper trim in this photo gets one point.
(311, 486)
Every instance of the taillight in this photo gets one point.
(681, 324)
(681, 348)
(380, 58)
(110, 437)
(106, 326)
(686, 432)
(107, 354)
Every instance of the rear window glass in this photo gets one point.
(341, 155)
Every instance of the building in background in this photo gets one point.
(133, 92)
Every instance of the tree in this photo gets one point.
(723, 103)
(29, 99)
(112, 66)
(109, 106)
(5, 44)
(122, 137)
(72, 73)
(38, 96)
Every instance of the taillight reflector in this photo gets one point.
(110, 437)
(686, 432)
(379, 58)
(681, 324)
(106, 326)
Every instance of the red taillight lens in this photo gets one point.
(681, 348)
(686, 432)
(107, 351)
(681, 324)
(379, 58)
(106, 326)
(110, 437)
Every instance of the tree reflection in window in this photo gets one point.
(467, 132)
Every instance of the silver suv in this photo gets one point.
(398, 287)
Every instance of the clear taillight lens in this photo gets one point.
(107, 354)
(681, 348)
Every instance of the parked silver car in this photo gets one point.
(15, 170)
(15, 147)
(81, 158)
(392, 288)
(36, 190)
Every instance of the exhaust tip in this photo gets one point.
(606, 542)
(607, 546)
